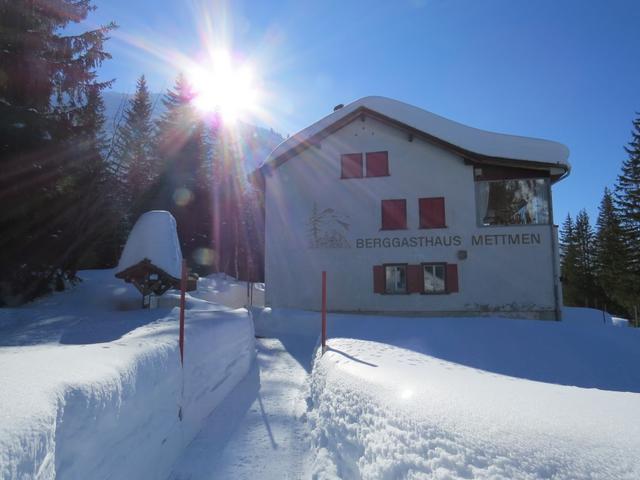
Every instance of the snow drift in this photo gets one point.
(90, 391)
(384, 412)
(580, 351)
(226, 290)
(482, 397)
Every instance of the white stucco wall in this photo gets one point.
(510, 278)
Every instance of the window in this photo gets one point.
(351, 164)
(377, 164)
(395, 278)
(432, 212)
(434, 275)
(394, 214)
(398, 278)
(513, 202)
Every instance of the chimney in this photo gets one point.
(338, 107)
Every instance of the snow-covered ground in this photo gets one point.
(225, 290)
(472, 397)
(259, 431)
(92, 388)
(92, 385)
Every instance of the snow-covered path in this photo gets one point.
(259, 431)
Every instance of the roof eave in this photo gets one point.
(302, 145)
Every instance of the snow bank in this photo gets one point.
(154, 236)
(402, 397)
(91, 391)
(584, 354)
(620, 322)
(384, 412)
(226, 290)
(591, 317)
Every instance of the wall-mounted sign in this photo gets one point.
(482, 240)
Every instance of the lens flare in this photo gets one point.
(182, 197)
(224, 87)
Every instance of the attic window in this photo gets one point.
(351, 165)
(377, 164)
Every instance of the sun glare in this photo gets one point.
(224, 87)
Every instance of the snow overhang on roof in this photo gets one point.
(475, 145)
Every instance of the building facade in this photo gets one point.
(411, 213)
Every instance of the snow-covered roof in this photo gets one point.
(155, 237)
(468, 139)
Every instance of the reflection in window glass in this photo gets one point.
(395, 278)
(434, 278)
(513, 202)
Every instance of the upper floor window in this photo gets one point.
(351, 164)
(513, 201)
(377, 164)
(432, 212)
(394, 214)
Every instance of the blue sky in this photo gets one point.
(567, 70)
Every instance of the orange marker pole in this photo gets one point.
(324, 311)
(183, 289)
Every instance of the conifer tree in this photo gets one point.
(628, 187)
(95, 210)
(611, 255)
(134, 150)
(627, 202)
(48, 88)
(181, 188)
(588, 294)
(568, 262)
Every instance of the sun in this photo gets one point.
(224, 87)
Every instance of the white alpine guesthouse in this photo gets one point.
(409, 212)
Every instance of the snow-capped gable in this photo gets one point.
(471, 140)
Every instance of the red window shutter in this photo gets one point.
(351, 165)
(415, 279)
(377, 164)
(452, 277)
(394, 214)
(378, 279)
(432, 212)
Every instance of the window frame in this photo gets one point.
(342, 169)
(366, 166)
(480, 224)
(444, 213)
(406, 280)
(382, 227)
(444, 291)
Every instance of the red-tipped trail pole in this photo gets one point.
(324, 311)
(183, 289)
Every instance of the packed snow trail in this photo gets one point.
(259, 431)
